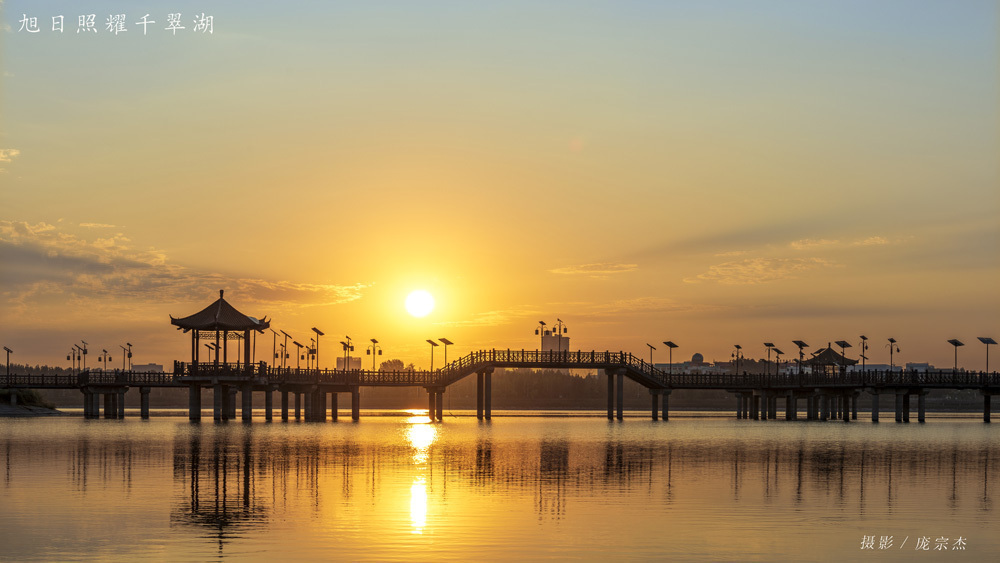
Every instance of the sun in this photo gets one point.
(419, 303)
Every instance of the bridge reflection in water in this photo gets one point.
(250, 486)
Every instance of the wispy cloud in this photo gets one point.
(808, 243)
(871, 241)
(493, 318)
(7, 156)
(44, 264)
(98, 226)
(759, 270)
(595, 269)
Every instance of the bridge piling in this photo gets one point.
(611, 394)
(194, 402)
(666, 405)
(854, 405)
(321, 402)
(431, 405)
(488, 394)
(308, 404)
(284, 405)
(874, 406)
(217, 402)
(109, 405)
(739, 406)
(144, 403)
(479, 395)
(755, 406)
(899, 406)
(906, 407)
(789, 405)
(232, 403)
(268, 404)
(920, 406)
(298, 405)
(356, 403)
(334, 408)
(440, 405)
(656, 406)
(246, 409)
(986, 407)
(620, 399)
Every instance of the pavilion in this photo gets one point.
(227, 323)
(827, 361)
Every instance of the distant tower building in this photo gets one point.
(355, 363)
(158, 368)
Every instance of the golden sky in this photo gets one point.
(713, 173)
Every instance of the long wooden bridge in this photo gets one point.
(826, 396)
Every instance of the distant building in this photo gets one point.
(554, 342)
(697, 364)
(157, 368)
(355, 363)
(920, 366)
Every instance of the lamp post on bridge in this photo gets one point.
(284, 355)
(84, 350)
(559, 330)
(864, 348)
(446, 343)
(651, 349)
(540, 331)
(9, 352)
(956, 343)
(433, 346)
(769, 345)
(124, 355)
(105, 357)
(987, 341)
(892, 346)
(274, 347)
(373, 349)
(844, 345)
(670, 346)
(318, 334)
(736, 355)
(777, 360)
(802, 346)
(298, 355)
(348, 348)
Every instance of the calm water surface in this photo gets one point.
(526, 487)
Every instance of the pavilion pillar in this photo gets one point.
(284, 405)
(246, 353)
(334, 409)
(246, 409)
(355, 403)
(268, 403)
(144, 403)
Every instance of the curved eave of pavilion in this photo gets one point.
(220, 316)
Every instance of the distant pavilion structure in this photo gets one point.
(220, 318)
(827, 361)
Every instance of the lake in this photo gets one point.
(525, 486)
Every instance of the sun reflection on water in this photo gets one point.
(420, 434)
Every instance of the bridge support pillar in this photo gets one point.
(479, 395)
(666, 405)
(284, 405)
(86, 403)
(217, 401)
(906, 407)
(356, 404)
(846, 407)
(754, 410)
(232, 402)
(268, 404)
(656, 403)
(431, 405)
(874, 407)
(824, 407)
(611, 394)
(120, 403)
(789, 405)
(920, 406)
(488, 394)
(246, 408)
(308, 404)
(109, 405)
(95, 404)
(144, 403)
(854, 405)
(194, 402)
(739, 406)
(298, 405)
(899, 407)
(986, 407)
(774, 407)
(620, 398)
(221, 398)
(440, 405)
(321, 405)
(334, 408)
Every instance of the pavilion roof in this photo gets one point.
(828, 357)
(220, 315)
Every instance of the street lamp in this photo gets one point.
(129, 344)
(892, 346)
(651, 348)
(802, 345)
(84, 350)
(9, 352)
(541, 331)
(318, 334)
(956, 343)
(105, 357)
(372, 350)
(285, 348)
(348, 348)
(769, 345)
(446, 343)
(560, 329)
(124, 354)
(864, 348)
(433, 346)
(844, 345)
(274, 346)
(777, 360)
(298, 355)
(987, 341)
(670, 346)
(736, 355)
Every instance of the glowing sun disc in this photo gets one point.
(419, 303)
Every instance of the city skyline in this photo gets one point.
(708, 173)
